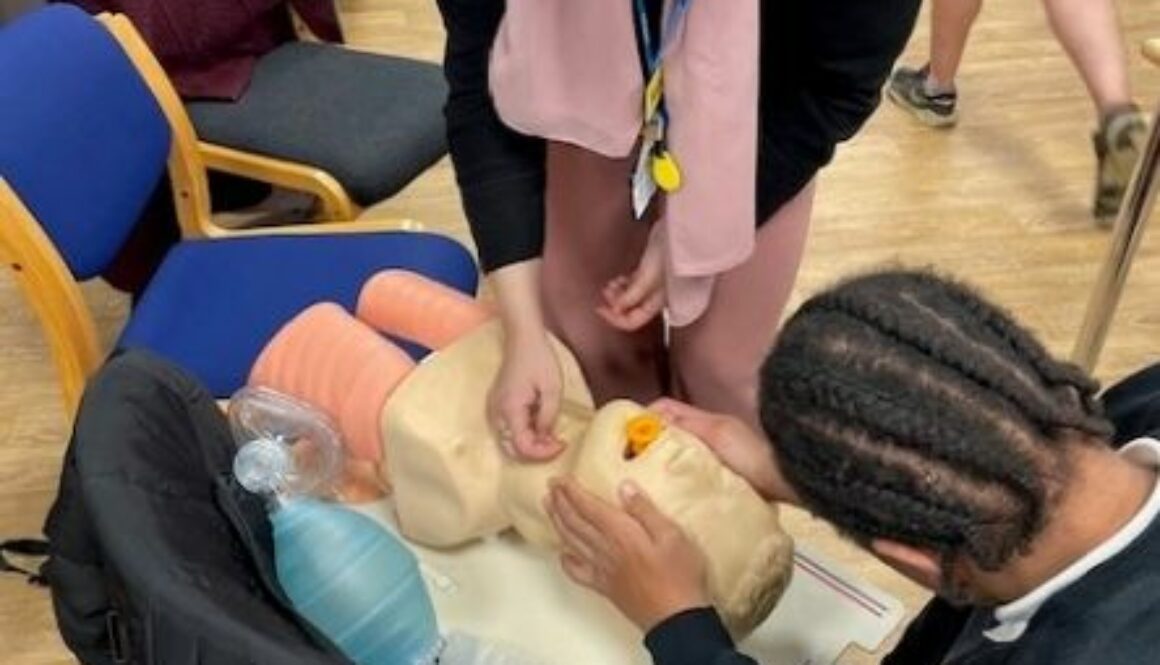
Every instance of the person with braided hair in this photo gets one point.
(936, 432)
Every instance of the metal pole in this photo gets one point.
(1125, 241)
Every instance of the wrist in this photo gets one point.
(523, 336)
(671, 607)
(517, 289)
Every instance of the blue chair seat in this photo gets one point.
(214, 304)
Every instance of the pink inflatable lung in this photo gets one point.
(324, 357)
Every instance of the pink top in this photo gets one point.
(569, 70)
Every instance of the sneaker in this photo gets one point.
(907, 89)
(1118, 144)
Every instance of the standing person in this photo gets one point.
(549, 122)
(938, 434)
(1090, 33)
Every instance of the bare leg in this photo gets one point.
(590, 238)
(716, 358)
(950, 25)
(1089, 31)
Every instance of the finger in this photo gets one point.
(542, 448)
(701, 424)
(503, 433)
(612, 290)
(673, 409)
(636, 291)
(547, 408)
(507, 447)
(614, 318)
(545, 445)
(570, 541)
(517, 423)
(633, 318)
(645, 512)
(580, 571)
(617, 284)
(495, 416)
(576, 528)
(641, 314)
(609, 521)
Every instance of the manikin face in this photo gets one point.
(748, 554)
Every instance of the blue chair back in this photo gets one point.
(83, 142)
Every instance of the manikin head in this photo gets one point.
(926, 424)
(452, 484)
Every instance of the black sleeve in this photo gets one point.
(693, 637)
(1133, 405)
(500, 172)
(930, 636)
(823, 66)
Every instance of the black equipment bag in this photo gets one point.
(156, 556)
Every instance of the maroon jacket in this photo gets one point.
(209, 47)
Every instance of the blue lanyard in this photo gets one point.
(654, 56)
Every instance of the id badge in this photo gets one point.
(644, 187)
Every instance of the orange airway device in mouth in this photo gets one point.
(642, 431)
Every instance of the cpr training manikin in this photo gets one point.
(423, 429)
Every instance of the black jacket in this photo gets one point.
(823, 63)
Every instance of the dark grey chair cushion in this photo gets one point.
(10, 9)
(374, 122)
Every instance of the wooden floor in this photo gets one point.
(1001, 200)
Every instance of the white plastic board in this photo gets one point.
(503, 590)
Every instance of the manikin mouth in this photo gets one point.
(641, 432)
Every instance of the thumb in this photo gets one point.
(674, 409)
(546, 410)
(636, 291)
(705, 427)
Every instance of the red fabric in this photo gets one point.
(209, 47)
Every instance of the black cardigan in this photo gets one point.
(823, 63)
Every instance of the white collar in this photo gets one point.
(1014, 617)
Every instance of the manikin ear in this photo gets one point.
(923, 567)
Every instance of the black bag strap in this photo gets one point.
(24, 547)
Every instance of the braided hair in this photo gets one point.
(904, 406)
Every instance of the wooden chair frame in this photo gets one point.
(196, 156)
(49, 286)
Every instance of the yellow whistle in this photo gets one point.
(665, 171)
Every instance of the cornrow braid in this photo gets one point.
(904, 406)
